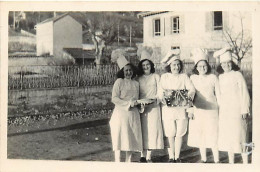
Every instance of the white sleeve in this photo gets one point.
(116, 97)
(243, 91)
(160, 88)
(217, 89)
(157, 79)
(189, 86)
(191, 109)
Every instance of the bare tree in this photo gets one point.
(103, 28)
(240, 42)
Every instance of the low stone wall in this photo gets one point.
(51, 101)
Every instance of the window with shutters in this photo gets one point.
(157, 27)
(176, 25)
(217, 20)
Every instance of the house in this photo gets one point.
(57, 33)
(187, 30)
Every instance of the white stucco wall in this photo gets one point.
(67, 34)
(44, 38)
(195, 31)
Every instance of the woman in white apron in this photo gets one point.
(203, 124)
(234, 106)
(125, 121)
(151, 116)
(174, 118)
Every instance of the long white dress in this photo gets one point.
(171, 81)
(151, 117)
(203, 130)
(234, 102)
(125, 121)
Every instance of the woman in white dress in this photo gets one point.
(151, 117)
(203, 124)
(234, 106)
(125, 121)
(174, 118)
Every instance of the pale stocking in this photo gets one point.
(117, 155)
(171, 147)
(143, 153)
(128, 156)
(215, 154)
(244, 158)
(178, 143)
(203, 154)
(231, 157)
(149, 154)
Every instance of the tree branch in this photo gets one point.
(242, 32)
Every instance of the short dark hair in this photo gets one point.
(233, 67)
(168, 68)
(140, 67)
(120, 73)
(195, 71)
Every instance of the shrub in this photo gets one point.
(62, 59)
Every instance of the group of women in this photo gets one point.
(141, 118)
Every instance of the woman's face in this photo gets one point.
(202, 67)
(146, 67)
(128, 72)
(227, 66)
(175, 67)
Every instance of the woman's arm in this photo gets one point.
(161, 90)
(116, 97)
(190, 110)
(217, 89)
(157, 79)
(189, 86)
(244, 94)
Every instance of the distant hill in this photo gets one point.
(126, 19)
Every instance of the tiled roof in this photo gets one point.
(150, 13)
(54, 19)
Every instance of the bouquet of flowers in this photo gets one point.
(178, 98)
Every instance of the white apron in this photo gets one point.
(125, 121)
(203, 129)
(234, 102)
(151, 117)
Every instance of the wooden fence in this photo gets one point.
(34, 77)
(44, 77)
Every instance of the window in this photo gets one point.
(217, 20)
(175, 47)
(157, 27)
(176, 25)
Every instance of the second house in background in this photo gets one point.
(187, 30)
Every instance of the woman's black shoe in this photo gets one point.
(178, 160)
(171, 161)
(201, 161)
(143, 160)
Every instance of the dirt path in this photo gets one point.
(86, 141)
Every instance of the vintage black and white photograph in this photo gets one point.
(134, 86)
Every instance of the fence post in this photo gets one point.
(78, 77)
(21, 78)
